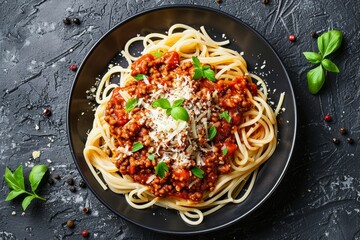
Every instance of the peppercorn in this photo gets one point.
(86, 210)
(66, 20)
(292, 38)
(70, 181)
(350, 140)
(50, 181)
(314, 34)
(46, 112)
(85, 233)
(70, 223)
(335, 141)
(76, 21)
(72, 189)
(265, 1)
(57, 176)
(82, 184)
(218, 1)
(342, 131)
(73, 67)
(327, 118)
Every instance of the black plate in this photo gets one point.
(243, 38)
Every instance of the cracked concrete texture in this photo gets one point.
(320, 194)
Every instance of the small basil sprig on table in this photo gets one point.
(327, 43)
(15, 182)
(202, 71)
(176, 111)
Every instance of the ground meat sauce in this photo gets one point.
(179, 181)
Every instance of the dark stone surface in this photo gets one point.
(319, 197)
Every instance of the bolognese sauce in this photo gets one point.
(182, 145)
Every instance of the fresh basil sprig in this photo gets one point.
(327, 43)
(15, 182)
(202, 71)
(176, 111)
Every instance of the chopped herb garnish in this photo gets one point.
(157, 54)
(226, 116)
(225, 151)
(151, 156)
(202, 71)
(197, 172)
(136, 147)
(160, 169)
(212, 132)
(140, 77)
(131, 104)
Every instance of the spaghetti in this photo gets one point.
(185, 128)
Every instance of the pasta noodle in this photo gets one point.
(186, 146)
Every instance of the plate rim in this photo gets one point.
(238, 21)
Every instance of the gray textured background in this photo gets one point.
(319, 197)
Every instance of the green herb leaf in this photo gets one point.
(36, 174)
(196, 62)
(226, 116)
(140, 77)
(136, 147)
(131, 104)
(157, 54)
(198, 73)
(225, 151)
(11, 181)
(212, 132)
(13, 194)
(180, 113)
(330, 66)
(313, 57)
(162, 103)
(178, 102)
(197, 172)
(27, 201)
(168, 111)
(329, 42)
(151, 156)
(160, 169)
(315, 79)
(210, 74)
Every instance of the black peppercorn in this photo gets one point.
(82, 184)
(66, 20)
(70, 223)
(70, 181)
(76, 21)
(50, 181)
(350, 140)
(57, 176)
(72, 189)
(336, 141)
(342, 131)
(265, 1)
(46, 112)
(314, 34)
(218, 1)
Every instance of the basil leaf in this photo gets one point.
(160, 169)
(315, 79)
(225, 151)
(157, 54)
(13, 194)
(27, 201)
(131, 104)
(212, 132)
(11, 181)
(226, 116)
(196, 62)
(168, 111)
(180, 113)
(198, 73)
(329, 65)
(136, 147)
(313, 57)
(178, 102)
(209, 74)
(140, 77)
(36, 174)
(197, 172)
(329, 42)
(162, 103)
(151, 156)
(19, 176)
